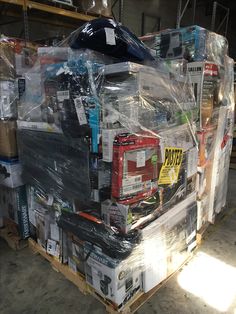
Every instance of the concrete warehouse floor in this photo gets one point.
(29, 285)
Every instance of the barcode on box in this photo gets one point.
(62, 95)
(132, 180)
(133, 188)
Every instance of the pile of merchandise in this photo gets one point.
(16, 58)
(211, 72)
(125, 151)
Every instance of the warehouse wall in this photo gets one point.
(167, 11)
(133, 9)
(132, 18)
(36, 30)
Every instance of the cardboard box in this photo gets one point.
(205, 77)
(108, 136)
(75, 254)
(14, 206)
(167, 242)
(135, 169)
(118, 215)
(47, 232)
(8, 143)
(206, 140)
(192, 43)
(100, 178)
(115, 280)
(10, 173)
(202, 211)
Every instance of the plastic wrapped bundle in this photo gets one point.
(145, 99)
(193, 43)
(60, 92)
(142, 109)
(58, 163)
(223, 143)
(94, 231)
(119, 115)
(215, 144)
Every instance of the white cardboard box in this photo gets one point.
(108, 136)
(115, 280)
(168, 240)
(10, 173)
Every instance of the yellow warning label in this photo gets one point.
(170, 169)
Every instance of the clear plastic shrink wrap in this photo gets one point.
(210, 72)
(215, 98)
(192, 43)
(110, 152)
(16, 58)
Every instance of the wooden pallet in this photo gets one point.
(201, 232)
(79, 280)
(10, 234)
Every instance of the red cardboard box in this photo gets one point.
(135, 167)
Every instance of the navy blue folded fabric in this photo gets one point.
(111, 38)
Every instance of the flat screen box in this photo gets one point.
(205, 77)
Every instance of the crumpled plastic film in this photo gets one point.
(16, 57)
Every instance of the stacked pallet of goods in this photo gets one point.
(125, 151)
(16, 57)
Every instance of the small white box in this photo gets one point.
(108, 136)
(118, 215)
(10, 173)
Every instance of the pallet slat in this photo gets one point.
(77, 279)
(13, 240)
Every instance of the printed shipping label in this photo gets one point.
(141, 159)
(110, 36)
(63, 95)
(80, 111)
(170, 169)
(52, 248)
